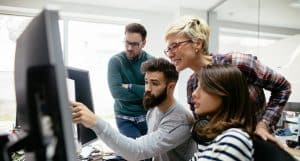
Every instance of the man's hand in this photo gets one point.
(81, 114)
(263, 132)
(125, 86)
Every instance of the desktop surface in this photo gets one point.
(295, 152)
(96, 150)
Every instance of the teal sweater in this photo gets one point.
(121, 70)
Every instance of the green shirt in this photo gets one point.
(121, 70)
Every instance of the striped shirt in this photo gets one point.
(232, 145)
(259, 77)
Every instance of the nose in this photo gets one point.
(171, 53)
(147, 88)
(129, 47)
(195, 94)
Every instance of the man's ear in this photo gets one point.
(171, 85)
(143, 43)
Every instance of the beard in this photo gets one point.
(150, 100)
(131, 55)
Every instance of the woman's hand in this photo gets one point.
(263, 131)
(81, 114)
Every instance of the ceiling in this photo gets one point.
(149, 5)
(277, 13)
(272, 12)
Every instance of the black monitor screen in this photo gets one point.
(83, 94)
(41, 92)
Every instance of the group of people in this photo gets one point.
(225, 94)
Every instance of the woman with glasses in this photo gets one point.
(187, 47)
(227, 134)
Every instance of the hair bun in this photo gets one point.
(197, 21)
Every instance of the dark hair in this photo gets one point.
(136, 28)
(161, 65)
(236, 109)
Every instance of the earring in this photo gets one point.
(196, 51)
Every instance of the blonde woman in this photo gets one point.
(187, 47)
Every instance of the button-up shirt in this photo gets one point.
(258, 77)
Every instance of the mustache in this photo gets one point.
(148, 94)
(151, 100)
(148, 100)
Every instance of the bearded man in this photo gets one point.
(169, 123)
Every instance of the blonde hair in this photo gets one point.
(191, 27)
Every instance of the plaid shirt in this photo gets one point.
(259, 77)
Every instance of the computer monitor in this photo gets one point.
(41, 92)
(83, 94)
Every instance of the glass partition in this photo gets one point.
(268, 29)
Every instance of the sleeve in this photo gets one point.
(266, 78)
(230, 147)
(191, 86)
(138, 90)
(115, 82)
(168, 136)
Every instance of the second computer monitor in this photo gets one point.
(83, 94)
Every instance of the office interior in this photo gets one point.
(93, 30)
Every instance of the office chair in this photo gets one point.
(267, 150)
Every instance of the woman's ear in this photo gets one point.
(198, 43)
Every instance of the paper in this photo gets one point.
(71, 89)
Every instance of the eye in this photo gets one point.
(173, 45)
(155, 83)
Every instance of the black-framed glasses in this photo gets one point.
(132, 44)
(175, 45)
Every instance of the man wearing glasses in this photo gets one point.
(126, 82)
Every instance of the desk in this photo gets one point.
(96, 150)
(293, 151)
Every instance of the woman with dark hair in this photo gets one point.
(222, 97)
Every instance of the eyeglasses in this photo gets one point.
(175, 45)
(132, 44)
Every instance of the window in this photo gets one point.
(87, 45)
(10, 29)
(90, 46)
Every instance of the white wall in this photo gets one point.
(284, 56)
